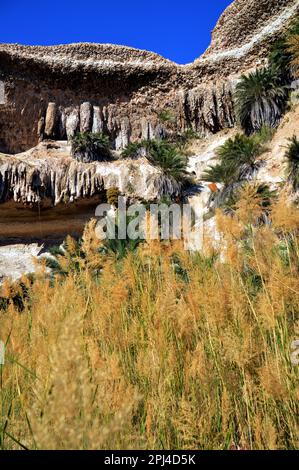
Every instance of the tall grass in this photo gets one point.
(163, 349)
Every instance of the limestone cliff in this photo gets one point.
(49, 93)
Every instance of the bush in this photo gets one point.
(294, 28)
(267, 196)
(238, 160)
(181, 140)
(282, 54)
(166, 116)
(265, 134)
(88, 147)
(292, 156)
(120, 247)
(135, 150)
(293, 47)
(168, 158)
(162, 154)
(219, 173)
(260, 99)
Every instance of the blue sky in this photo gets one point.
(179, 30)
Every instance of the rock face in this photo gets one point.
(246, 23)
(50, 93)
(46, 186)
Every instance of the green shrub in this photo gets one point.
(219, 174)
(181, 140)
(240, 150)
(120, 247)
(168, 158)
(282, 54)
(88, 147)
(162, 154)
(292, 155)
(260, 99)
(294, 28)
(265, 134)
(267, 196)
(238, 160)
(280, 60)
(293, 47)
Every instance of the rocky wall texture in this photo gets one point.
(47, 94)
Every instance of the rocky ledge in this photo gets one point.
(48, 175)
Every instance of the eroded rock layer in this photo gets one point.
(51, 92)
(47, 94)
(47, 175)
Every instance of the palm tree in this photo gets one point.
(88, 147)
(135, 150)
(260, 99)
(241, 153)
(292, 156)
(120, 248)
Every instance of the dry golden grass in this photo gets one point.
(164, 349)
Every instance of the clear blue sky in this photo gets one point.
(178, 29)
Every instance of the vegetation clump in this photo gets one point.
(168, 158)
(292, 156)
(238, 160)
(260, 99)
(162, 154)
(166, 116)
(293, 48)
(135, 150)
(89, 147)
(282, 57)
(112, 196)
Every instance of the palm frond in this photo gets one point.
(292, 155)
